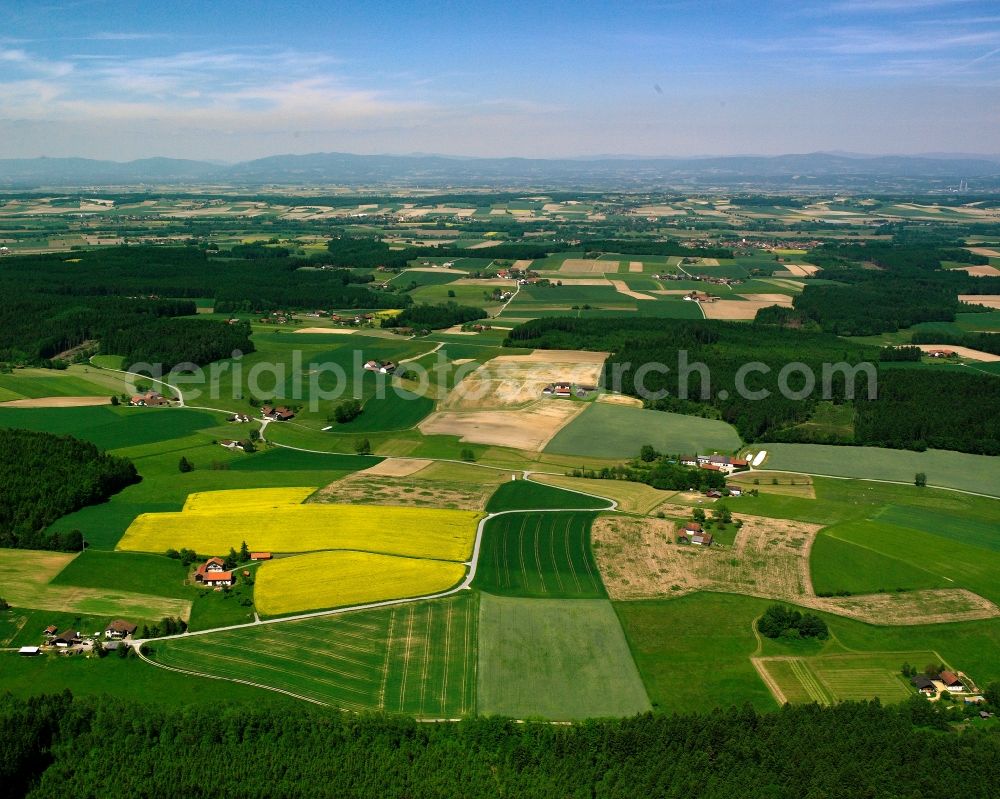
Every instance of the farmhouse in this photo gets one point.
(260, 556)
(562, 389)
(218, 579)
(951, 682)
(382, 367)
(734, 491)
(691, 528)
(924, 685)
(941, 353)
(50, 631)
(228, 443)
(149, 399)
(689, 460)
(119, 628)
(279, 414)
(210, 566)
(702, 539)
(68, 638)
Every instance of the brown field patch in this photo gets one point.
(638, 558)
(484, 245)
(619, 399)
(530, 428)
(785, 483)
(635, 266)
(963, 352)
(588, 266)
(773, 299)
(671, 292)
(622, 288)
(56, 402)
(342, 331)
(980, 270)
(358, 489)
(802, 270)
(586, 281)
(989, 300)
(989, 253)
(396, 467)
(523, 263)
(733, 309)
(513, 381)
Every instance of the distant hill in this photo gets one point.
(807, 171)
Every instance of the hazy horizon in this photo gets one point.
(237, 81)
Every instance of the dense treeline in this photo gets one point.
(911, 409)
(169, 342)
(55, 302)
(920, 409)
(107, 747)
(900, 256)
(779, 621)
(866, 304)
(43, 477)
(435, 317)
(646, 247)
(663, 472)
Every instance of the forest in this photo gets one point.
(434, 317)
(913, 408)
(43, 477)
(56, 744)
(659, 471)
(170, 342)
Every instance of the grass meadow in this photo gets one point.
(539, 555)
(529, 495)
(555, 659)
(619, 431)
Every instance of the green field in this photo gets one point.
(694, 652)
(555, 659)
(75, 381)
(539, 555)
(529, 495)
(845, 677)
(618, 431)
(417, 658)
(838, 565)
(979, 473)
(126, 571)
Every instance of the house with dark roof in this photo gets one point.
(119, 628)
(924, 685)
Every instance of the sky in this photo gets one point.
(234, 80)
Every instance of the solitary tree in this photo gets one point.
(185, 466)
(244, 552)
(648, 453)
(468, 455)
(699, 515)
(363, 447)
(920, 479)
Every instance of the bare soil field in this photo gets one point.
(802, 270)
(619, 399)
(964, 352)
(523, 263)
(989, 300)
(530, 428)
(982, 270)
(56, 402)
(984, 251)
(483, 245)
(395, 467)
(735, 309)
(773, 299)
(635, 266)
(512, 381)
(622, 288)
(638, 558)
(342, 331)
(587, 266)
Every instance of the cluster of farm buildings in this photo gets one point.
(565, 389)
(71, 640)
(934, 685)
(716, 463)
(150, 399)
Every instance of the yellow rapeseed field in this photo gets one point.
(246, 498)
(336, 579)
(413, 532)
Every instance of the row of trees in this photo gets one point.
(434, 317)
(43, 477)
(116, 749)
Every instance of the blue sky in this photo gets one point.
(234, 80)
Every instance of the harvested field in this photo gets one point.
(981, 270)
(984, 251)
(619, 399)
(530, 428)
(523, 263)
(774, 299)
(484, 244)
(631, 497)
(586, 281)
(635, 266)
(435, 486)
(737, 309)
(622, 288)
(671, 292)
(638, 558)
(784, 483)
(587, 266)
(343, 331)
(513, 381)
(802, 270)
(963, 352)
(989, 300)
(56, 402)
(395, 467)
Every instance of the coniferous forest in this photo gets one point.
(57, 746)
(43, 477)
